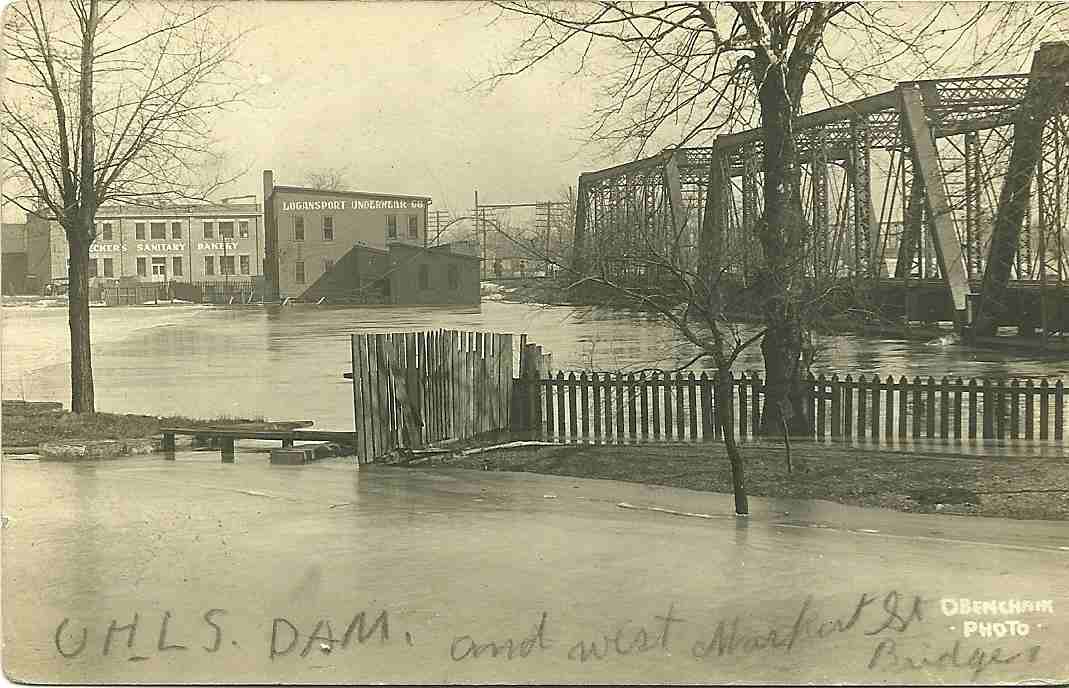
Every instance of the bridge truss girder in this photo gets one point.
(864, 193)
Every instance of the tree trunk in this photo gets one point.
(80, 232)
(725, 418)
(782, 233)
(82, 392)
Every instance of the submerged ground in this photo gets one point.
(248, 572)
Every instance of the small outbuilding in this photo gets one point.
(359, 247)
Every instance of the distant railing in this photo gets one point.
(133, 294)
(218, 292)
(682, 407)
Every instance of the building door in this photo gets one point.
(159, 269)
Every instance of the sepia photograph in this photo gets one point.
(495, 342)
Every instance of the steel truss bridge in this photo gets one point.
(944, 199)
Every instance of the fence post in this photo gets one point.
(958, 386)
(708, 432)
(521, 415)
(930, 408)
(535, 391)
(918, 407)
(692, 398)
(596, 405)
(989, 416)
(875, 433)
(744, 407)
(817, 389)
(755, 405)
(1059, 411)
(1015, 412)
(972, 409)
(944, 408)
(903, 406)
(848, 406)
(836, 407)
(1044, 410)
(1029, 410)
(632, 409)
(644, 406)
(667, 409)
(862, 407)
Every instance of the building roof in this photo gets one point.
(206, 210)
(362, 194)
(440, 249)
(198, 210)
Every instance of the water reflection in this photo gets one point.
(288, 362)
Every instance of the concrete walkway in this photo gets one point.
(195, 570)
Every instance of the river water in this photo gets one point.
(287, 363)
(194, 570)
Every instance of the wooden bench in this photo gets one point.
(228, 435)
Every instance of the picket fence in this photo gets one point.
(414, 388)
(606, 407)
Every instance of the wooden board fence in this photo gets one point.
(414, 388)
(681, 407)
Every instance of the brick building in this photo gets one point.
(197, 243)
(358, 247)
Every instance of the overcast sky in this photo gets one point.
(386, 91)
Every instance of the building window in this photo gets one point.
(226, 230)
(226, 265)
(424, 277)
(105, 233)
(142, 267)
(176, 266)
(328, 265)
(298, 228)
(176, 230)
(139, 230)
(328, 228)
(157, 230)
(413, 227)
(209, 265)
(454, 277)
(298, 271)
(243, 229)
(209, 230)
(391, 226)
(159, 267)
(109, 267)
(92, 267)
(243, 263)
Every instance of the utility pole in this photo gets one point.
(478, 222)
(438, 225)
(544, 218)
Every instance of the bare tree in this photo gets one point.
(684, 71)
(109, 101)
(328, 179)
(692, 303)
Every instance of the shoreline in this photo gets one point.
(539, 291)
(1036, 488)
(967, 481)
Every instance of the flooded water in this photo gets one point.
(192, 570)
(147, 570)
(288, 363)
